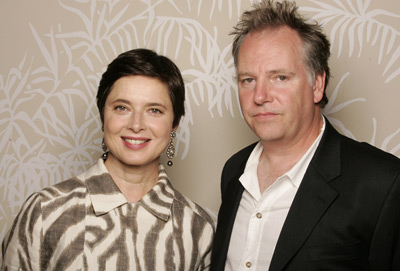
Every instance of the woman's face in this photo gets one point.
(138, 118)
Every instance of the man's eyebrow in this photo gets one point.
(280, 71)
(241, 74)
(272, 72)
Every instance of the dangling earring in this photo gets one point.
(104, 147)
(171, 148)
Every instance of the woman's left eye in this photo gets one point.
(155, 111)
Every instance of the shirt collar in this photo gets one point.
(296, 173)
(249, 178)
(106, 196)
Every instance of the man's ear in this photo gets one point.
(319, 87)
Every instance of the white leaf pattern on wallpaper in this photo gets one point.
(388, 141)
(355, 23)
(331, 108)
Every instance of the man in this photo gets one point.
(304, 197)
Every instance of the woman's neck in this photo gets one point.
(133, 181)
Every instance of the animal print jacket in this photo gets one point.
(85, 223)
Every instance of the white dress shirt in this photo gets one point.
(260, 217)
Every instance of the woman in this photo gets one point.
(123, 213)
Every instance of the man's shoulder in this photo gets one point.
(354, 151)
(367, 153)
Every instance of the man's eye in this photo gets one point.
(247, 80)
(282, 78)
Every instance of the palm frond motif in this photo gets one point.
(330, 108)
(389, 143)
(106, 31)
(355, 23)
(12, 101)
(213, 5)
(211, 82)
(215, 78)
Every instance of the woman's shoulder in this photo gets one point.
(50, 199)
(67, 188)
(74, 186)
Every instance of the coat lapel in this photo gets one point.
(313, 198)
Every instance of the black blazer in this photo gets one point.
(345, 215)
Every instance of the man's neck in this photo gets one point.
(278, 158)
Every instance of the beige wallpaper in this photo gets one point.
(53, 53)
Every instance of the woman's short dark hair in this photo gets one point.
(270, 14)
(144, 62)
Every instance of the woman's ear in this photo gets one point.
(177, 125)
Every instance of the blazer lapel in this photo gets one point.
(313, 198)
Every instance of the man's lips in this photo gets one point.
(264, 114)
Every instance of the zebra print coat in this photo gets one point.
(85, 223)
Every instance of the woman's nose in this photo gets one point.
(137, 122)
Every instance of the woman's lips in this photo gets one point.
(135, 143)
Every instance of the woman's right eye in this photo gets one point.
(120, 108)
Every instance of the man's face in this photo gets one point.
(277, 99)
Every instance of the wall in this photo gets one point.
(54, 52)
